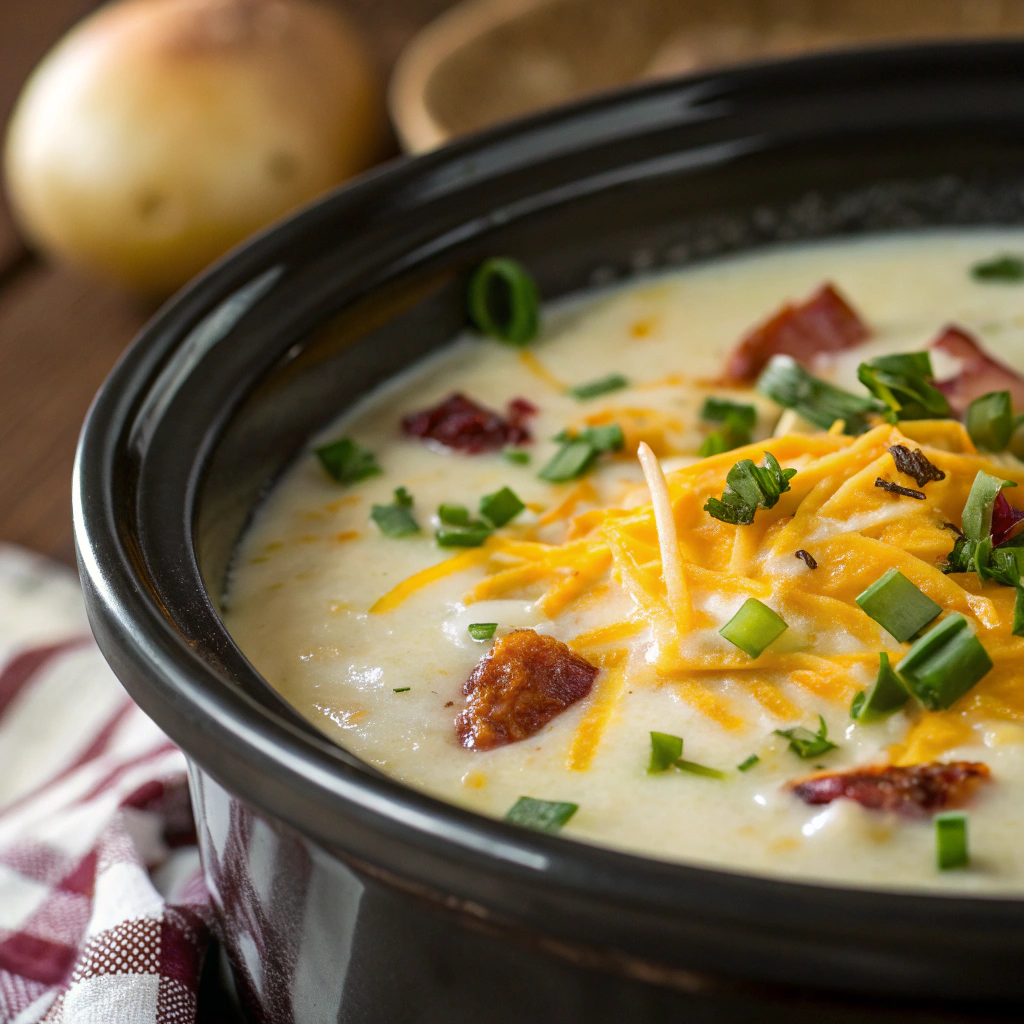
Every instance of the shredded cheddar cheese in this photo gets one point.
(685, 573)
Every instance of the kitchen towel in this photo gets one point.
(104, 918)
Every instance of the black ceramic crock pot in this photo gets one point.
(341, 895)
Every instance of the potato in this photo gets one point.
(159, 133)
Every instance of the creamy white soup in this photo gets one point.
(803, 665)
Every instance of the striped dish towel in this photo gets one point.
(103, 914)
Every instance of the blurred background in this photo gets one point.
(145, 137)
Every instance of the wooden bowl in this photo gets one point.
(486, 61)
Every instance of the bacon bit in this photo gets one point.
(915, 463)
(524, 681)
(913, 791)
(807, 558)
(979, 372)
(907, 492)
(460, 423)
(824, 323)
(1004, 519)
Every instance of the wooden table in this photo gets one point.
(60, 332)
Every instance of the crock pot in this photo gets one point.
(340, 894)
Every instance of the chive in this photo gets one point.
(784, 381)
(700, 769)
(944, 664)
(805, 743)
(989, 421)
(748, 488)
(396, 520)
(977, 515)
(503, 301)
(1018, 612)
(602, 386)
(607, 438)
(1000, 269)
(470, 536)
(482, 630)
(721, 410)
(543, 815)
(453, 515)
(665, 751)
(753, 627)
(748, 763)
(401, 689)
(516, 456)
(903, 383)
(573, 459)
(714, 444)
(346, 461)
(951, 840)
(857, 704)
(897, 605)
(887, 695)
(737, 422)
(501, 506)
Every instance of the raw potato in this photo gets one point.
(159, 133)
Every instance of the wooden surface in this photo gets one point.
(60, 333)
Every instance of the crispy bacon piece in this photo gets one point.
(1004, 519)
(914, 791)
(979, 373)
(460, 423)
(824, 323)
(518, 687)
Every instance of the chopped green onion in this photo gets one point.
(1018, 612)
(805, 743)
(573, 459)
(516, 456)
(603, 386)
(714, 444)
(503, 301)
(700, 769)
(453, 515)
(346, 461)
(501, 506)
(737, 422)
(748, 488)
(951, 840)
(607, 438)
(665, 751)
(977, 515)
(903, 383)
(748, 763)
(1001, 269)
(887, 695)
(721, 410)
(897, 605)
(401, 689)
(470, 536)
(989, 421)
(482, 630)
(944, 664)
(543, 815)
(396, 520)
(787, 383)
(753, 627)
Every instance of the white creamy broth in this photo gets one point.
(312, 564)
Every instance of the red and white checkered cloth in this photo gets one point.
(103, 914)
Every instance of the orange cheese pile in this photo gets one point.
(853, 529)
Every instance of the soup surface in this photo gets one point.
(380, 636)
